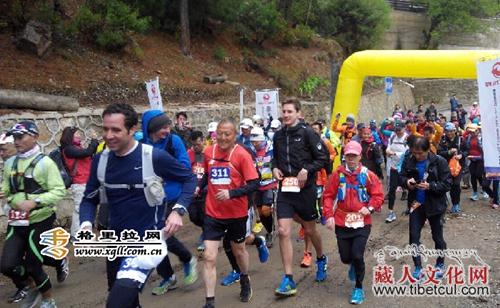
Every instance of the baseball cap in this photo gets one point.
(449, 126)
(398, 125)
(275, 123)
(212, 127)
(257, 134)
(246, 123)
(361, 126)
(23, 127)
(472, 126)
(352, 147)
(350, 118)
(256, 118)
(4, 139)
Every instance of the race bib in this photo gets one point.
(220, 176)
(290, 184)
(19, 218)
(354, 220)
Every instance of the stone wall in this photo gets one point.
(440, 91)
(405, 32)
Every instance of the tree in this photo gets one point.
(454, 16)
(185, 34)
(356, 24)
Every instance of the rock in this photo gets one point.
(36, 38)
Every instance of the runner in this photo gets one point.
(428, 179)
(231, 176)
(298, 155)
(32, 186)
(120, 176)
(358, 193)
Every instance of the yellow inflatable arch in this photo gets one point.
(460, 64)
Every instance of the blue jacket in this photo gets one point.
(128, 208)
(172, 188)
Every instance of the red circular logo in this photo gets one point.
(496, 70)
(266, 97)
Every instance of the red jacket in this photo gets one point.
(351, 203)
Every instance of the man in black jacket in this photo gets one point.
(427, 178)
(298, 156)
(452, 147)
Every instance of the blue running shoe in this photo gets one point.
(230, 279)
(352, 273)
(358, 296)
(440, 271)
(287, 287)
(263, 250)
(322, 265)
(418, 273)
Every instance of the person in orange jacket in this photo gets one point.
(346, 130)
(432, 131)
(358, 193)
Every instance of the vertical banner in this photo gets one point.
(488, 82)
(266, 104)
(154, 95)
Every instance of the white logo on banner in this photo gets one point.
(488, 81)
(154, 95)
(266, 104)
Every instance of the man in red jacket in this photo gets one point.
(358, 192)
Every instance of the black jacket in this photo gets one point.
(446, 145)
(299, 147)
(372, 158)
(439, 180)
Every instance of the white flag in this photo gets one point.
(488, 82)
(154, 95)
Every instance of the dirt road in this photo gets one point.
(478, 227)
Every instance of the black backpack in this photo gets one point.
(58, 158)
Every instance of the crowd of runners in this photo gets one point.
(257, 183)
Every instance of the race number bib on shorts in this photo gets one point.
(19, 218)
(354, 220)
(290, 184)
(220, 176)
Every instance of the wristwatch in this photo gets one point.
(38, 202)
(180, 210)
(371, 209)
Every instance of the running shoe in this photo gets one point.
(230, 278)
(190, 271)
(357, 296)
(390, 217)
(263, 250)
(418, 273)
(48, 303)
(440, 271)
(246, 289)
(474, 197)
(209, 305)
(306, 260)
(257, 227)
(352, 273)
(485, 195)
(19, 295)
(287, 287)
(322, 265)
(32, 298)
(165, 285)
(495, 206)
(201, 247)
(455, 208)
(63, 270)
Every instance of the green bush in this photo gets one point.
(356, 24)
(219, 53)
(109, 24)
(309, 86)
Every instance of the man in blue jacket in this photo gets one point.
(156, 129)
(130, 201)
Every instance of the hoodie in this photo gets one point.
(172, 188)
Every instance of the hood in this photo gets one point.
(146, 118)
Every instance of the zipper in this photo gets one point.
(288, 153)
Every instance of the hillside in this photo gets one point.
(97, 77)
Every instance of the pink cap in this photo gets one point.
(352, 147)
